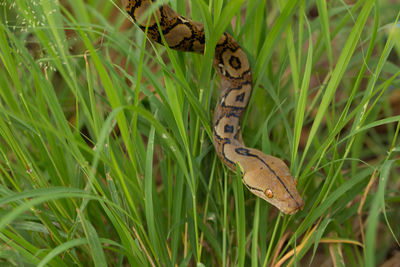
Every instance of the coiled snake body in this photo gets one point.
(266, 176)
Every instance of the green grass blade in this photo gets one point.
(373, 218)
(96, 249)
(339, 70)
(240, 217)
(301, 103)
(325, 29)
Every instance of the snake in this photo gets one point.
(266, 176)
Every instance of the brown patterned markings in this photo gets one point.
(226, 127)
(235, 62)
(177, 35)
(242, 64)
(265, 176)
(237, 97)
(140, 10)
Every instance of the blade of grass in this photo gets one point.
(339, 71)
(325, 29)
(301, 102)
(96, 249)
(240, 217)
(373, 218)
(149, 208)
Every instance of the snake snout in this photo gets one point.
(294, 206)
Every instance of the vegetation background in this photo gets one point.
(106, 155)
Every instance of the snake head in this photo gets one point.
(269, 178)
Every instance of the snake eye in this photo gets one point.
(268, 193)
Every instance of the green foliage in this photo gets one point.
(106, 154)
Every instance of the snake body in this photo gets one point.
(266, 176)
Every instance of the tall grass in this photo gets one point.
(106, 154)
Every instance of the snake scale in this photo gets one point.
(266, 176)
